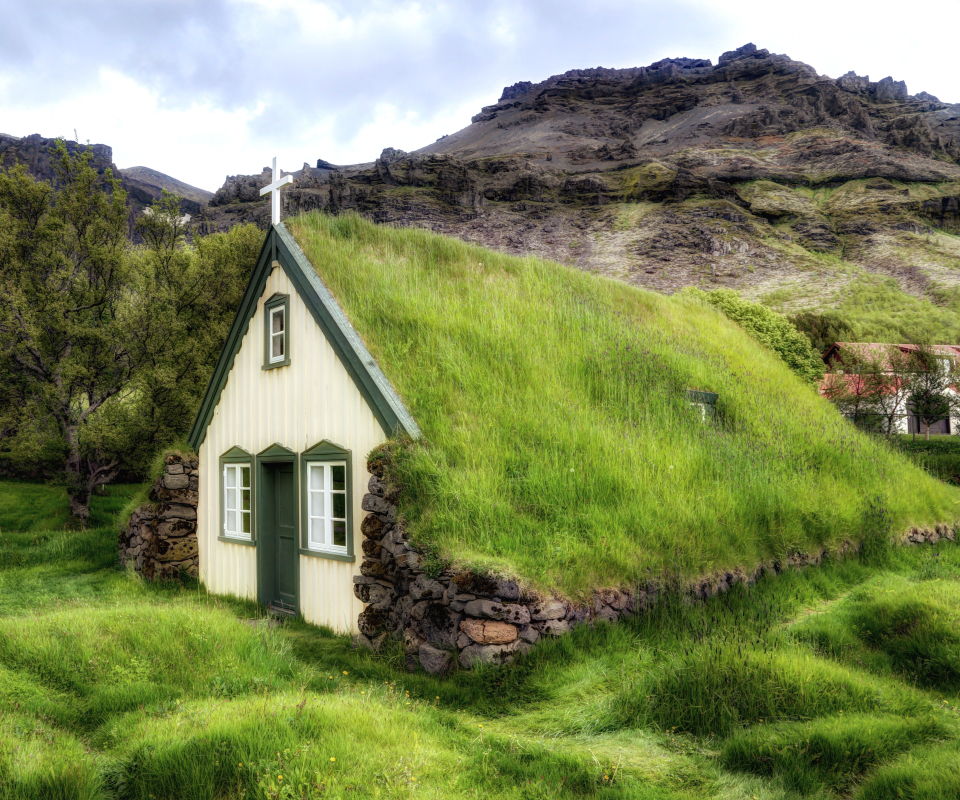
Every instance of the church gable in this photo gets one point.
(280, 250)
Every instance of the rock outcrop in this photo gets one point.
(160, 539)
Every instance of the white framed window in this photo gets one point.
(237, 523)
(278, 334)
(327, 506)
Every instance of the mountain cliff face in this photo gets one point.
(756, 173)
(143, 185)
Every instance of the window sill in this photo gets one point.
(231, 540)
(275, 364)
(324, 554)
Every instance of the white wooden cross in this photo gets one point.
(275, 188)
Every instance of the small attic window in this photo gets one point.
(704, 402)
(276, 317)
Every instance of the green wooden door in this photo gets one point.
(285, 529)
(278, 559)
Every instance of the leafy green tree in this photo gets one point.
(930, 396)
(769, 328)
(67, 319)
(193, 291)
(822, 328)
(105, 349)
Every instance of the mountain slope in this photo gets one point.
(758, 174)
(151, 179)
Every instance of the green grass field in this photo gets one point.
(560, 447)
(838, 681)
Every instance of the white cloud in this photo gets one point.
(200, 89)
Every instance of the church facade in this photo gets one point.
(294, 406)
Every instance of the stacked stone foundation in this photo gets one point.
(449, 619)
(160, 539)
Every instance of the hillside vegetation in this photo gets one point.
(832, 682)
(559, 444)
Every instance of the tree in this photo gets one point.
(894, 387)
(193, 292)
(822, 328)
(769, 328)
(931, 398)
(854, 386)
(105, 349)
(66, 318)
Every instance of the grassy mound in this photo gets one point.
(559, 443)
(898, 628)
(829, 753)
(112, 687)
(929, 774)
(718, 688)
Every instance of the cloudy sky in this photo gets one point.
(199, 89)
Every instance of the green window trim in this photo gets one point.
(239, 457)
(277, 301)
(325, 452)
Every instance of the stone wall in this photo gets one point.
(160, 538)
(447, 618)
(443, 616)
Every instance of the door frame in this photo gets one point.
(266, 536)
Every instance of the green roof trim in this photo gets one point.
(380, 395)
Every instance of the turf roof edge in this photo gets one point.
(369, 379)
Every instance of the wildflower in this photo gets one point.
(280, 777)
(362, 692)
(480, 726)
(345, 672)
(332, 759)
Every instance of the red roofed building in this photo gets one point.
(846, 358)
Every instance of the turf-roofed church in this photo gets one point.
(295, 405)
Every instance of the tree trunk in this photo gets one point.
(926, 427)
(78, 492)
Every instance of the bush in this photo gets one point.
(769, 328)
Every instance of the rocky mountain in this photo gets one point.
(151, 183)
(143, 185)
(756, 173)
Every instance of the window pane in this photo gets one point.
(340, 533)
(339, 505)
(276, 347)
(316, 504)
(230, 499)
(276, 321)
(231, 522)
(245, 499)
(230, 477)
(245, 477)
(339, 477)
(316, 531)
(316, 477)
(245, 522)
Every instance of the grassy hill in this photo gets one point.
(839, 681)
(559, 445)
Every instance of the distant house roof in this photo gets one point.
(835, 351)
(857, 384)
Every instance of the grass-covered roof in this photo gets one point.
(558, 442)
